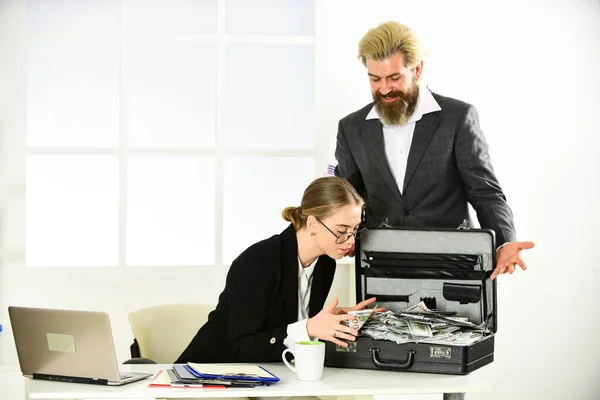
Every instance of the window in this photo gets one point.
(165, 133)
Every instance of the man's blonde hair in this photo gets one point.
(388, 38)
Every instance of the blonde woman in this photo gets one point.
(276, 289)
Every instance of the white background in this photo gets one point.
(531, 71)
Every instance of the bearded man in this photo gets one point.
(419, 158)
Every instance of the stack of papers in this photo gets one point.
(164, 379)
(213, 376)
(231, 371)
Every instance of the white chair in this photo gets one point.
(163, 332)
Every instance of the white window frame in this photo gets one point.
(219, 152)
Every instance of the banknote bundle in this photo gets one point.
(418, 324)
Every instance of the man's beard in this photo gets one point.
(400, 110)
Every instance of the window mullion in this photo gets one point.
(123, 136)
(220, 132)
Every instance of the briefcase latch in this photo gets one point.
(440, 352)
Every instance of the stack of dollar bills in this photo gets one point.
(418, 324)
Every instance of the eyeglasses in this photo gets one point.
(344, 237)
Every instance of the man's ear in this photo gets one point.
(419, 71)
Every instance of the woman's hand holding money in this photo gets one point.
(327, 326)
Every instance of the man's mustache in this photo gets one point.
(393, 93)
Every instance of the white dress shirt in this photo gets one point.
(399, 138)
(296, 332)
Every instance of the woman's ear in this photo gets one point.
(311, 223)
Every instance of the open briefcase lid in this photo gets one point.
(448, 268)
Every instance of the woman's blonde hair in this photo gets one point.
(322, 197)
(388, 38)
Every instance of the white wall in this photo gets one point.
(530, 69)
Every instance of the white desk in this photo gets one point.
(12, 384)
(335, 382)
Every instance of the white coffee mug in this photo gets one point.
(309, 359)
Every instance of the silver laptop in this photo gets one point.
(67, 346)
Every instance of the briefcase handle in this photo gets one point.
(393, 365)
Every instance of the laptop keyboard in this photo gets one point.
(125, 376)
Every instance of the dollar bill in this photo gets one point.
(420, 329)
(419, 307)
(362, 315)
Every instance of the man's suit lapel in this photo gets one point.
(289, 259)
(372, 138)
(424, 131)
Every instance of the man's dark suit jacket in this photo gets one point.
(448, 166)
(259, 300)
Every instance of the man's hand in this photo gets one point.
(326, 326)
(509, 256)
(359, 306)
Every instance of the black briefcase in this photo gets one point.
(447, 269)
